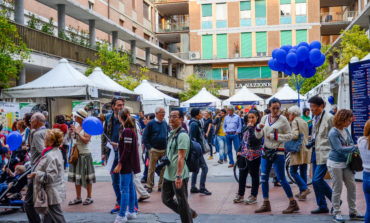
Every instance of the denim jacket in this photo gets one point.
(340, 147)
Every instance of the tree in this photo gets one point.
(196, 83)
(116, 65)
(309, 83)
(13, 51)
(353, 43)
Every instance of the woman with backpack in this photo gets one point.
(249, 159)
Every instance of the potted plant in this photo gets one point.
(236, 46)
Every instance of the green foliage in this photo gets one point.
(354, 42)
(309, 83)
(48, 28)
(12, 51)
(130, 82)
(34, 22)
(196, 83)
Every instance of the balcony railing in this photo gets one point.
(335, 17)
(169, 1)
(174, 27)
(44, 43)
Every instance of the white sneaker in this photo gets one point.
(120, 219)
(131, 216)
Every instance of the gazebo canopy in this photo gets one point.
(287, 95)
(202, 99)
(243, 97)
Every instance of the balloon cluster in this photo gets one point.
(301, 59)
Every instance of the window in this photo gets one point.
(134, 29)
(286, 37)
(301, 36)
(246, 44)
(260, 7)
(146, 10)
(91, 5)
(261, 43)
(146, 36)
(221, 14)
(218, 74)
(133, 2)
(121, 22)
(301, 12)
(285, 14)
(207, 47)
(221, 45)
(253, 72)
(245, 13)
(207, 16)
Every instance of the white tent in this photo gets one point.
(287, 95)
(243, 97)
(104, 82)
(202, 99)
(153, 98)
(62, 80)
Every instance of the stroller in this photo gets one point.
(11, 198)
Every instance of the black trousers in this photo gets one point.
(180, 205)
(252, 167)
(32, 215)
(55, 215)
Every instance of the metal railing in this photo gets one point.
(44, 43)
(173, 27)
(333, 17)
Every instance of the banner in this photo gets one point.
(9, 113)
(93, 109)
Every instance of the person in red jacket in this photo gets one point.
(128, 165)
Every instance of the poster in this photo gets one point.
(360, 96)
(9, 113)
(93, 109)
(26, 107)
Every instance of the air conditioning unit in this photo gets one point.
(261, 54)
(193, 55)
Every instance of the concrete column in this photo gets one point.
(170, 67)
(359, 6)
(19, 11)
(147, 57)
(232, 81)
(22, 77)
(335, 61)
(61, 18)
(178, 70)
(133, 50)
(274, 81)
(115, 40)
(92, 33)
(159, 59)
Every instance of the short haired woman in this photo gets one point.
(299, 160)
(364, 147)
(341, 146)
(50, 169)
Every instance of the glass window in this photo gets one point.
(301, 36)
(261, 42)
(246, 44)
(91, 5)
(245, 14)
(285, 10)
(221, 11)
(207, 46)
(221, 45)
(146, 11)
(260, 8)
(225, 74)
(286, 37)
(206, 10)
(300, 9)
(245, 5)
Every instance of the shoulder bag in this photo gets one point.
(294, 145)
(41, 203)
(73, 158)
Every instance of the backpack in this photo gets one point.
(193, 160)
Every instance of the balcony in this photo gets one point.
(172, 7)
(47, 44)
(333, 22)
(333, 3)
(173, 27)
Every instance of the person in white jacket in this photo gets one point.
(364, 147)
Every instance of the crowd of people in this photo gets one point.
(178, 149)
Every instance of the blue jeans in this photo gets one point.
(128, 194)
(321, 188)
(203, 177)
(221, 142)
(301, 178)
(115, 184)
(3, 187)
(234, 139)
(279, 166)
(366, 187)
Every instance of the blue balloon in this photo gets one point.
(292, 51)
(274, 53)
(279, 66)
(308, 72)
(303, 53)
(295, 47)
(308, 65)
(281, 56)
(331, 100)
(314, 56)
(14, 140)
(321, 61)
(315, 45)
(286, 47)
(92, 126)
(304, 44)
(298, 68)
(288, 72)
(291, 59)
(272, 65)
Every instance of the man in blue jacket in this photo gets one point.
(155, 137)
(195, 133)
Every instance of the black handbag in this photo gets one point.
(269, 154)
(354, 162)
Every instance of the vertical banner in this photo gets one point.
(360, 96)
(9, 113)
(93, 109)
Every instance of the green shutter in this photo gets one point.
(261, 42)
(248, 73)
(265, 72)
(286, 37)
(260, 8)
(300, 1)
(246, 45)
(245, 5)
(206, 10)
(301, 36)
(216, 74)
(207, 47)
(221, 45)
(283, 2)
